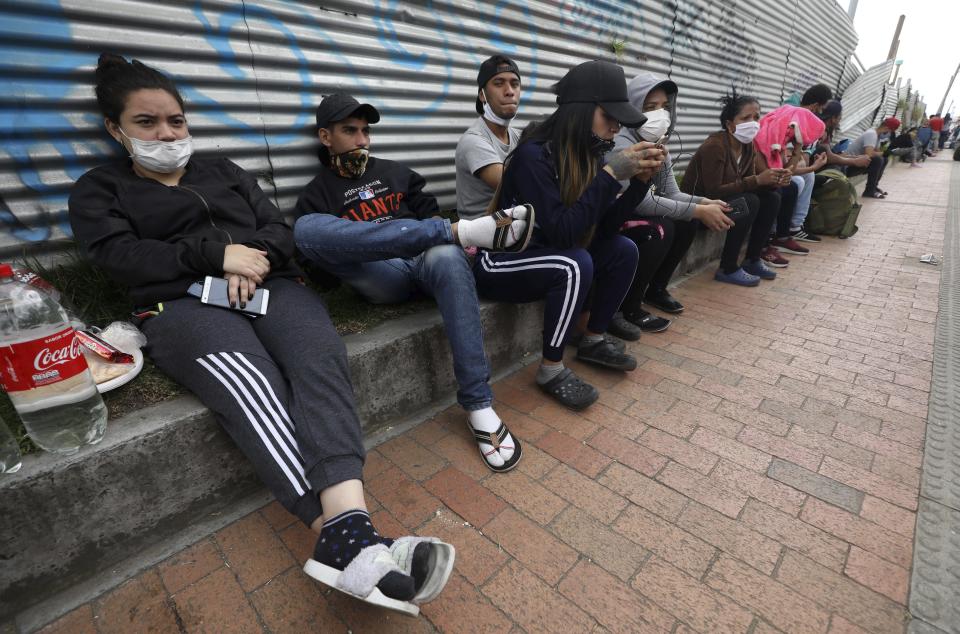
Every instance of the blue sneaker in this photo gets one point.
(759, 268)
(739, 277)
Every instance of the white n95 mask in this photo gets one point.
(163, 157)
(746, 132)
(657, 124)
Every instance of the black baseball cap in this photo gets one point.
(339, 106)
(492, 66)
(832, 109)
(604, 84)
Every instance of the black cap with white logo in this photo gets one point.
(604, 84)
(340, 106)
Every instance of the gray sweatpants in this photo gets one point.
(279, 385)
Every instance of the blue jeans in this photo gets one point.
(388, 262)
(804, 184)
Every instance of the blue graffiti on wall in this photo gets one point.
(40, 40)
(47, 25)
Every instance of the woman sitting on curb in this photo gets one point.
(725, 167)
(576, 248)
(279, 383)
(668, 218)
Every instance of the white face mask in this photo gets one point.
(658, 122)
(746, 132)
(163, 157)
(492, 117)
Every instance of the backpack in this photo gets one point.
(834, 207)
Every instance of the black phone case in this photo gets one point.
(739, 210)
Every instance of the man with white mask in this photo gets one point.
(666, 220)
(487, 142)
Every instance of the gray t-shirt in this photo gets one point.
(477, 148)
(867, 139)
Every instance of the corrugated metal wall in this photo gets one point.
(252, 73)
(863, 98)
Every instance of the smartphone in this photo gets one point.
(738, 210)
(215, 293)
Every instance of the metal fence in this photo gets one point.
(252, 73)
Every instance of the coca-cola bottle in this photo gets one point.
(43, 370)
(9, 450)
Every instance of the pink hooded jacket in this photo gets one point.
(776, 132)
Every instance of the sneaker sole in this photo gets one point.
(646, 330)
(672, 311)
(776, 266)
(808, 240)
(790, 251)
(613, 366)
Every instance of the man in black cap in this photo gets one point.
(369, 222)
(487, 142)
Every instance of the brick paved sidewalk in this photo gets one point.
(759, 472)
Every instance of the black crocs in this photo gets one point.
(619, 344)
(570, 390)
(604, 354)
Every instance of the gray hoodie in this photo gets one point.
(664, 197)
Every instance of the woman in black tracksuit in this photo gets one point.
(576, 249)
(279, 384)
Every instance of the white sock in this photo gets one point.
(487, 420)
(479, 231)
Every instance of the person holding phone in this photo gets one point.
(725, 166)
(162, 220)
(666, 219)
(562, 168)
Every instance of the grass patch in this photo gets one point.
(96, 299)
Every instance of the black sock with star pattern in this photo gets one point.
(344, 536)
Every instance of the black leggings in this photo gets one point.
(788, 201)
(764, 206)
(662, 246)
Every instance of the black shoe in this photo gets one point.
(570, 390)
(664, 301)
(574, 340)
(647, 322)
(624, 328)
(603, 353)
(803, 236)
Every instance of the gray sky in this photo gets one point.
(928, 43)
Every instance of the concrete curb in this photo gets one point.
(935, 577)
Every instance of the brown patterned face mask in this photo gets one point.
(350, 164)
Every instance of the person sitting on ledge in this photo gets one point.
(370, 222)
(279, 384)
(667, 219)
(868, 144)
(576, 249)
(725, 166)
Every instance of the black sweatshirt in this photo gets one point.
(158, 240)
(532, 178)
(386, 191)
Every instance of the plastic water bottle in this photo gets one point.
(9, 450)
(44, 372)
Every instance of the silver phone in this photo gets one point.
(215, 293)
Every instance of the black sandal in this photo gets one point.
(504, 226)
(495, 440)
(571, 391)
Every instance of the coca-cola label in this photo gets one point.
(30, 364)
